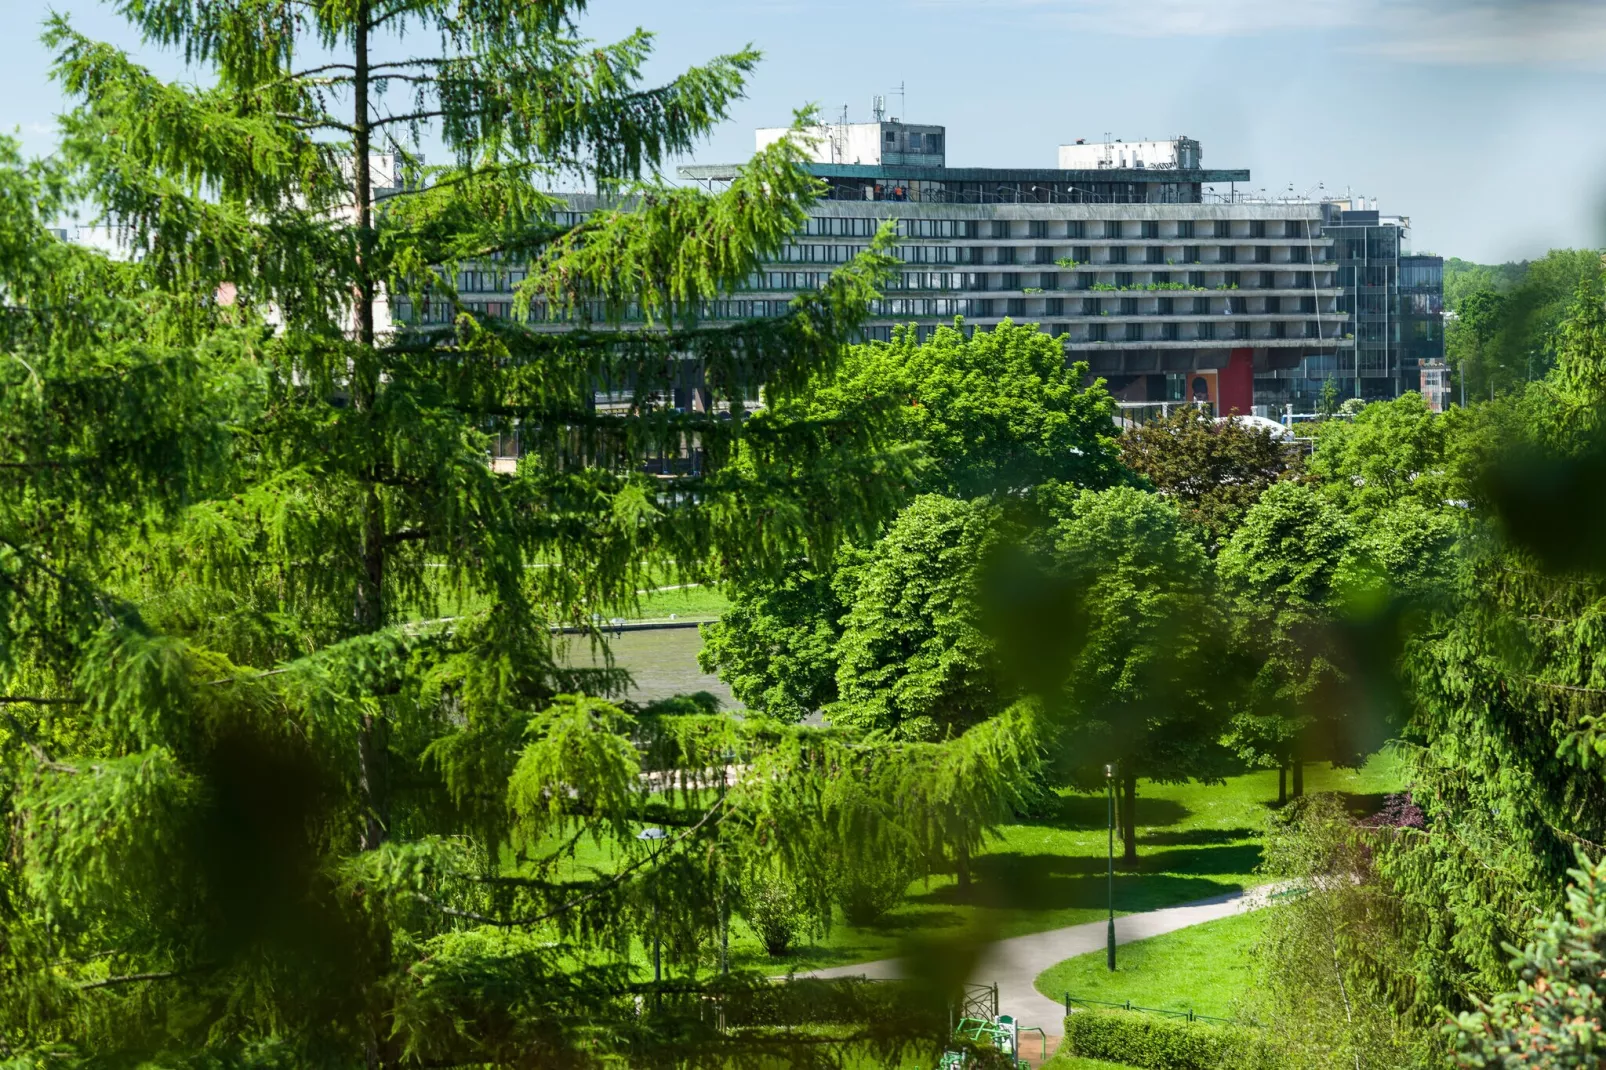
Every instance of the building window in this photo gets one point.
(1312, 329)
(1037, 228)
(1082, 254)
(1166, 306)
(1129, 306)
(1293, 228)
(1090, 306)
(1154, 254)
(1227, 254)
(1117, 254)
(1043, 254)
(1151, 228)
(1279, 329)
(1082, 281)
(1223, 228)
(1000, 228)
(1307, 304)
(1190, 255)
(1006, 254)
(1201, 306)
(1134, 332)
(1207, 331)
(1095, 332)
(1054, 306)
(1076, 228)
(1184, 228)
(1298, 254)
(1168, 331)
(1230, 279)
(1196, 278)
(1017, 306)
(1268, 280)
(1262, 254)
(1123, 279)
(1257, 228)
(1240, 329)
(983, 307)
(1049, 280)
(1274, 305)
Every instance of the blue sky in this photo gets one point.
(1477, 118)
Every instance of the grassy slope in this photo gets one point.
(1204, 969)
(1076, 1062)
(1194, 841)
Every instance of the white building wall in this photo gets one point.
(1090, 156)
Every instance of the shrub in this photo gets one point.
(1155, 1043)
(774, 910)
(866, 891)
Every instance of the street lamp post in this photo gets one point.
(1109, 789)
(654, 835)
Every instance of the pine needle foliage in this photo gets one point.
(269, 801)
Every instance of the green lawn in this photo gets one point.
(1194, 841)
(1077, 1062)
(1204, 969)
(697, 603)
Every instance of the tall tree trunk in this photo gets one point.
(1282, 783)
(369, 612)
(1299, 777)
(1129, 818)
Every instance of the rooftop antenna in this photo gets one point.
(878, 107)
(903, 103)
(839, 139)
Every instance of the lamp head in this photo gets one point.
(650, 834)
(1109, 772)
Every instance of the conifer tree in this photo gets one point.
(299, 779)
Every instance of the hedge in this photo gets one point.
(1157, 1043)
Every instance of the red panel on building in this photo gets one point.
(1238, 384)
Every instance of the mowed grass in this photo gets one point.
(1194, 841)
(1078, 1062)
(1204, 969)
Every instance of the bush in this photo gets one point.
(866, 891)
(1156, 1043)
(774, 910)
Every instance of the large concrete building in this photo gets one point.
(1162, 275)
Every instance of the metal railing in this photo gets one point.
(1130, 1006)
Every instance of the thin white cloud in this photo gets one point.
(1528, 33)
(1542, 33)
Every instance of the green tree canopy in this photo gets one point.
(271, 806)
(776, 646)
(1389, 452)
(982, 413)
(1145, 690)
(912, 659)
(991, 411)
(1281, 569)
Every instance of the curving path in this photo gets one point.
(1015, 963)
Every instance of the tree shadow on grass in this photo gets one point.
(1195, 837)
(1361, 804)
(1083, 813)
(1015, 881)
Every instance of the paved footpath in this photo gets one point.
(1014, 964)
